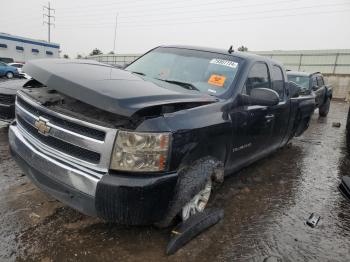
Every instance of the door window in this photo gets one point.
(278, 81)
(258, 78)
(320, 81)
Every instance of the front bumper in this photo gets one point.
(121, 198)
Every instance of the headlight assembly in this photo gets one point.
(140, 152)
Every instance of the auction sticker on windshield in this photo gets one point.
(223, 62)
(217, 80)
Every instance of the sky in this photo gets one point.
(82, 25)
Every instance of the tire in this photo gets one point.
(194, 182)
(324, 109)
(9, 75)
(198, 202)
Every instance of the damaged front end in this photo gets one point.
(108, 161)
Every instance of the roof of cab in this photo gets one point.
(243, 55)
(298, 73)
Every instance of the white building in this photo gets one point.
(21, 49)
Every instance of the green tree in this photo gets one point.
(111, 53)
(96, 51)
(243, 48)
(79, 56)
(65, 56)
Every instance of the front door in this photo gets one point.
(252, 125)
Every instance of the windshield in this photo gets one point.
(207, 72)
(303, 81)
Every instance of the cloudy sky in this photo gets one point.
(82, 25)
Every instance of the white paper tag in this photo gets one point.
(223, 62)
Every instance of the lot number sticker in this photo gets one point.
(222, 62)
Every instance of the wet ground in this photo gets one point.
(266, 206)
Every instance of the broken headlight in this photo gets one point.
(141, 152)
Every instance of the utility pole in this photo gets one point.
(115, 32)
(49, 19)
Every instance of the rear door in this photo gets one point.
(279, 113)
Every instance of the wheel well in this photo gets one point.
(191, 179)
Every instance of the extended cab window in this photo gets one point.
(207, 72)
(258, 78)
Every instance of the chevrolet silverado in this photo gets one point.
(146, 144)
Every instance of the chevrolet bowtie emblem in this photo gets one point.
(42, 127)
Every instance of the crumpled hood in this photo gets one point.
(106, 87)
(10, 87)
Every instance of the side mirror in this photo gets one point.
(294, 89)
(314, 88)
(261, 97)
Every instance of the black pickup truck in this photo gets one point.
(8, 90)
(313, 83)
(145, 144)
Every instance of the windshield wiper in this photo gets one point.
(139, 73)
(183, 84)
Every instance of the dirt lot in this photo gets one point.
(265, 205)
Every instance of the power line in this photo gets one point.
(222, 21)
(170, 10)
(167, 21)
(49, 17)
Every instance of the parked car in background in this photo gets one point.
(19, 67)
(8, 90)
(313, 83)
(6, 60)
(8, 71)
(145, 144)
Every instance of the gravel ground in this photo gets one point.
(266, 206)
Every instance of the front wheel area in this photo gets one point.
(324, 108)
(198, 202)
(193, 190)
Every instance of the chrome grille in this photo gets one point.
(68, 139)
(67, 148)
(90, 132)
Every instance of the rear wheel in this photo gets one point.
(9, 75)
(324, 109)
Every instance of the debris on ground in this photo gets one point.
(34, 215)
(313, 220)
(336, 124)
(192, 227)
